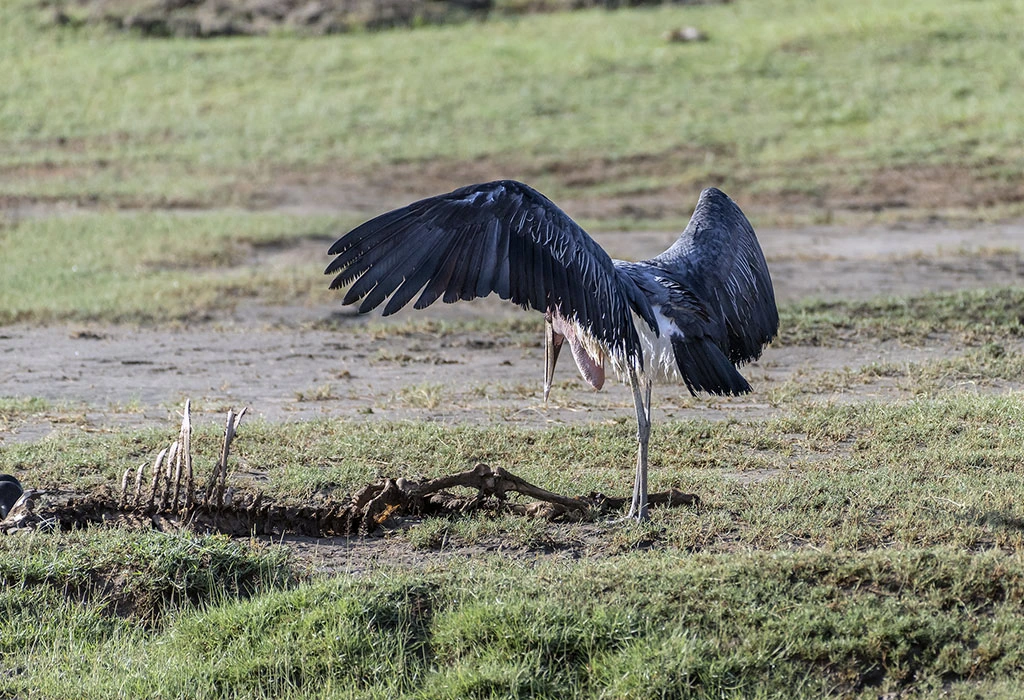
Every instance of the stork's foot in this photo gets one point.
(673, 498)
(640, 515)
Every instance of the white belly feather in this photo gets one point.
(659, 359)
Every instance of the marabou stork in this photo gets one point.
(695, 312)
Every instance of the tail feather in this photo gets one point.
(705, 367)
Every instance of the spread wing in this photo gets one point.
(719, 260)
(502, 237)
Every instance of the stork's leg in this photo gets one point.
(643, 433)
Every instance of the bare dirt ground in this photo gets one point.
(276, 360)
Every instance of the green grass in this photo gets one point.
(322, 392)
(17, 409)
(835, 476)
(798, 625)
(985, 368)
(789, 97)
(12, 407)
(153, 266)
(162, 267)
(846, 550)
(840, 549)
(427, 395)
(971, 316)
(139, 576)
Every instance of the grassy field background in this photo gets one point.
(859, 537)
(788, 100)
(805, 112)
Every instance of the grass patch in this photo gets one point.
(988, 366)
(972, 316)
(151, 266)
(788, 98)
(984, 366)
(839, 551)
(15, 410)
(138, 577)
(165, 267)
(834, 476)
(427, 395)
(12, 407)
(804, 625)
(497, 532)
(323, 392)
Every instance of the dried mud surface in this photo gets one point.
(279, 363)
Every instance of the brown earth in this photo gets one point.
(283, 364)
(844, 190)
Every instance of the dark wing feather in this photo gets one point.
(502, 237)
(719, 260)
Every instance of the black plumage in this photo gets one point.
(696, 312)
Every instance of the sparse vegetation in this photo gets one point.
(17, 406)
(15, 410)
(323, 392)
(981, 368)
(973, 317)
(149, 267)
(838, 476)
(426, 395)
